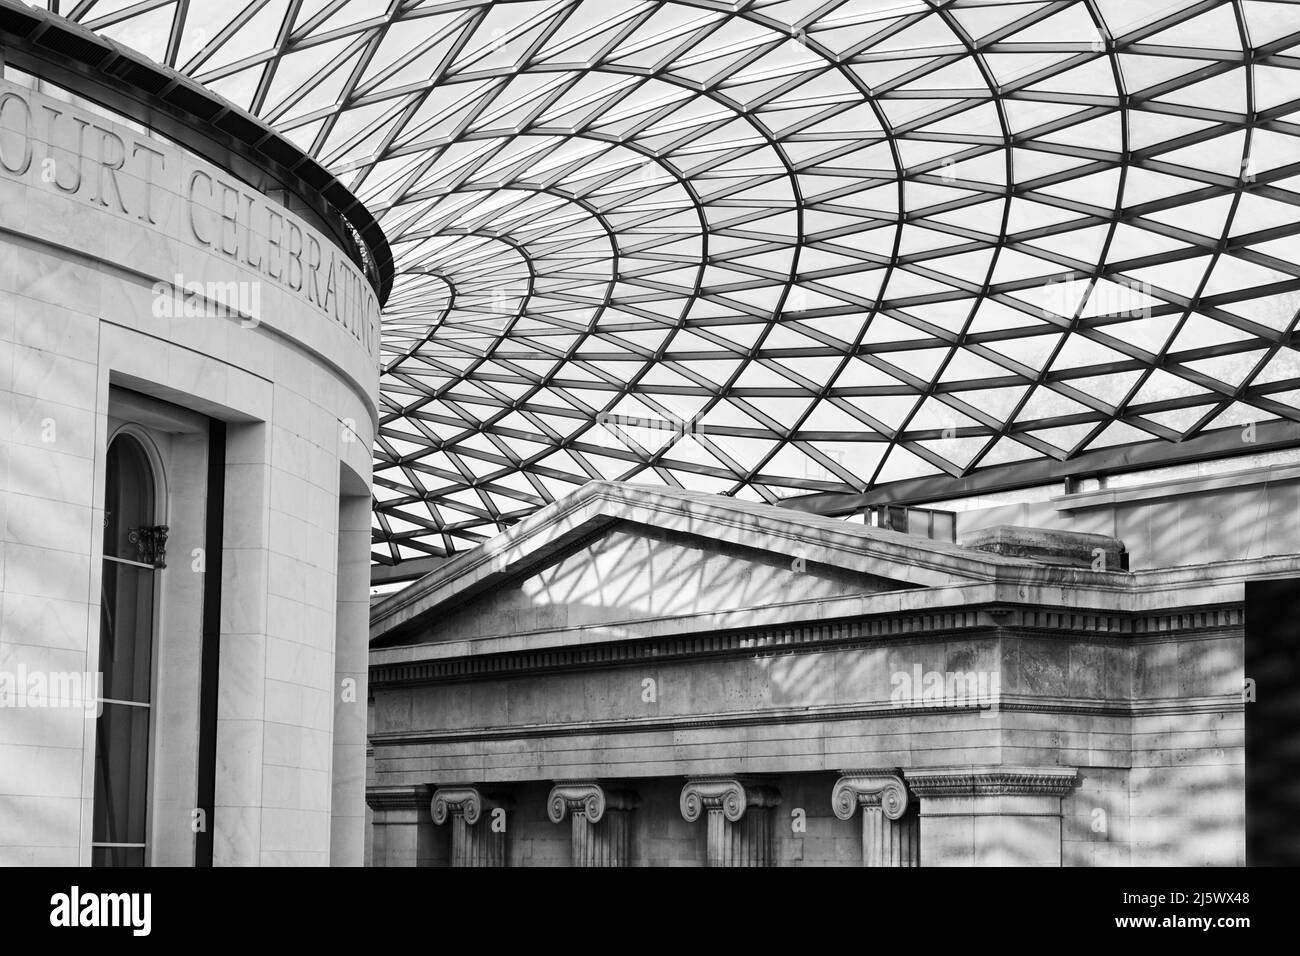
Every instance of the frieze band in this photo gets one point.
(992, 781)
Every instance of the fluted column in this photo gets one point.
(890, 828)
(475, 841)
(602, 821)
(739, 818)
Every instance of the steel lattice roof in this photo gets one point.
(766, 248)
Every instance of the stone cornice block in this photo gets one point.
(1050, 546)
(382, 799)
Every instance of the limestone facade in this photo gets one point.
(831, 693)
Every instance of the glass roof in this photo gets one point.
(770, 247)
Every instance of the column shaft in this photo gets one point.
(890, 835)
(604, 843)
(888, 842)
(601, 831)
(475, 844)
(738, 814)
(746, 842)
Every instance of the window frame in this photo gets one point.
(154, 461)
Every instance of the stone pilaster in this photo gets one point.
(991, 816)
(475, 841)
(601, 821)
(739, 818)
(402, 831)
(890, 828)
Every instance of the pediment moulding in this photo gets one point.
(598, 506)
(415, 797)
(1097, 627)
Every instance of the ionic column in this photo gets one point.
(889, 831)
(739, 818)
(475, 841)
(991, 816)
(602, 821)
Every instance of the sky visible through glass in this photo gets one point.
(768, 248)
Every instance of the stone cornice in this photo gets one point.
(730, 795)
(585, 796)
(991, 781)
(382, 799)
(1097, 627)
(866, 788)
(1228, 703)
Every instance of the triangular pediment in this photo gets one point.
(631, 572)
(613, 554)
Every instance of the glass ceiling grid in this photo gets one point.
(774, 247)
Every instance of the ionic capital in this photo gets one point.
(863, 788)
(460, 800)
(585, 796)
(731, 795)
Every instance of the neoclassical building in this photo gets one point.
(636, 676)
(506, 432)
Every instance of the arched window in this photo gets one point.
(125, 657)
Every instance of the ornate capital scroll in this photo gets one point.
(459, 800)
(992, 781)
(864, 788)
(602, 825)
(889, 833)
(471, 844)
(730, 795)
(586, 796)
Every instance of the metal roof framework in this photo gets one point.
(773, 248)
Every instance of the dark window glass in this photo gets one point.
(125, 662)
(117, 856)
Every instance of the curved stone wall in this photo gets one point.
(139, 283)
